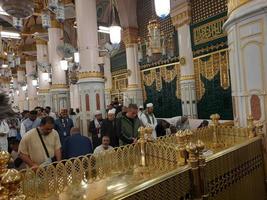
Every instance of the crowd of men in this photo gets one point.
(40, 137)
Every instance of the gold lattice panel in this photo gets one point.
(203, 9)
(238, 175)
(176, 187)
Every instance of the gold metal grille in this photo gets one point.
(238, 174)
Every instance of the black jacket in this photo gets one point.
(109, 128)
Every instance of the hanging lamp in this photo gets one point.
(115, 28)
(162, 8)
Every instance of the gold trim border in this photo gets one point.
(59, 86)
(90, 74)
(187, 77)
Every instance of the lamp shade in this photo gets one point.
(77, 57)
(115, 34)
(45, 76)
(24, 88)
(162, 8)
(64, 65)
(34, 82)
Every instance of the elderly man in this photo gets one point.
(28, 124)
(95, 128)
(41, 146)
(148, 119)
(76, 145)
(104, 146)
(128, 125)
(109, 128)
(63, 125)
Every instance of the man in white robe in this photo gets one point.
(148, 119)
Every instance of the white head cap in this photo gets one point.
(112, 111)
(149, 105)
(98, 112)
(141, 107)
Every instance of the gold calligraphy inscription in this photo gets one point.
(210, 31)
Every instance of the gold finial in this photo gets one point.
(251, 127)
(10, 181)
(4, 158)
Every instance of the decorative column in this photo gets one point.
(91, 79)
(105, 62)
(44, 97)
(22, 101)
(181, 17)
(59, 89)
(15, 93)
(134, 90)
(32, 92)
(74, 96)
(247, 29)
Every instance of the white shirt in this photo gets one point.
(100, 149)
(4, 129)
(153, 123)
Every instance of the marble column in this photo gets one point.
(16, 92)
(91, 79)
(59, 89)
(247, 29)
(134, 91)
(44, 97)
(74, 96)
(22, 101)
(181, 17)
(105, 61)
(32, 92)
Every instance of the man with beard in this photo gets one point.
(41, 146)
(109, 128)
(95, 128)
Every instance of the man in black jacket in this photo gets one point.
(109, 128)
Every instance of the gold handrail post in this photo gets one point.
(251, 127)
(182, 147)
(214, 124)
(4, 159)
(202, 164)
(193, 161)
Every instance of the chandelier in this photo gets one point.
(162, 8)
(115, 28)
(18, 8)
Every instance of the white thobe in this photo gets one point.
(153, 123)
(4, 130)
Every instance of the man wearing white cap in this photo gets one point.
(109, 128)
(95, 129)
(149, 119)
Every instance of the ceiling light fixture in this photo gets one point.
(18, 8)
(162, 8)
(4, 66)
(11, 35)
(115, 28)
(64, 65)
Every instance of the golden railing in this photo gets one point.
(152, 169)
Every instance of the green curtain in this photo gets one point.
(215, 100)
(166, 104)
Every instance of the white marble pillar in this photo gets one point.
(181, 17)
(74, 96)
(91, 79)
(44, 97)
(134, 91)
(247, 29)
(22, 98)
(32, 92)
(59, 89)
(16, 92)
(105, 61)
